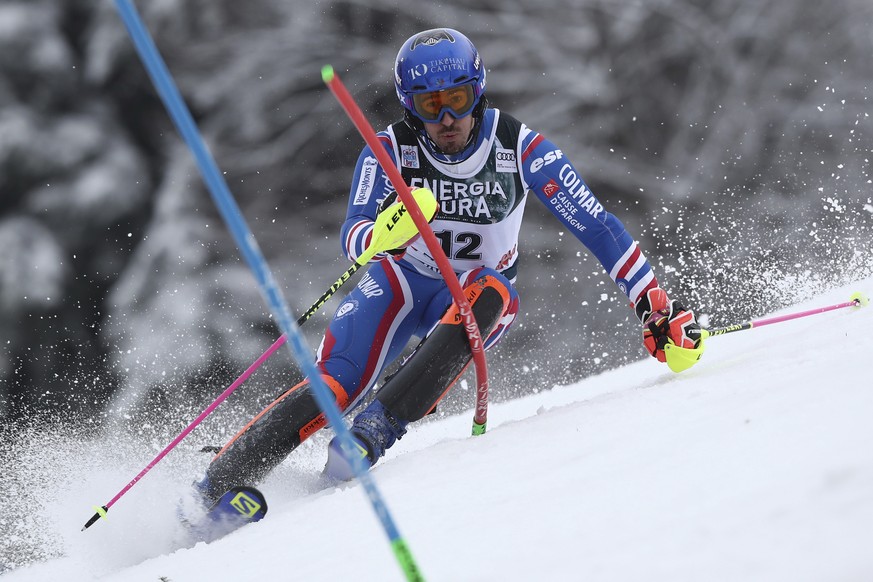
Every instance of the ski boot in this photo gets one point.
(206, 520)
(373, 432)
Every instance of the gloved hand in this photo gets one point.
(389, 202)
(665, 320)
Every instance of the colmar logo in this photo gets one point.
(369, 287)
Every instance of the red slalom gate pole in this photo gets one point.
(354, 112)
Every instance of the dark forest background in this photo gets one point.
(733, 139)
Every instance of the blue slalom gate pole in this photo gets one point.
(248, 246)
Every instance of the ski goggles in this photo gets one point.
(457, 102)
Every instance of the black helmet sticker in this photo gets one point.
(432, 37)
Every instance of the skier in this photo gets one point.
(480, 163)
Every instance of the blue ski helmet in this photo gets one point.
(433, 61)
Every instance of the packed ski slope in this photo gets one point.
(757, 464)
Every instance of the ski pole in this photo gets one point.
(383, 239)
(680, 359)
(857, 300)
(101, 511)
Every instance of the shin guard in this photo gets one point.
(441, 357)
(270, 437)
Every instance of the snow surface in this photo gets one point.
(756, 464)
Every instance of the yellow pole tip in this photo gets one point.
(860, 298)
(327, 73)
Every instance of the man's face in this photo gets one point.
(450, 134)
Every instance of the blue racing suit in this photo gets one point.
(482, 199)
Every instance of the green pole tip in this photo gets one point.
(860, 299)
(478, 429)
(327, 73)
